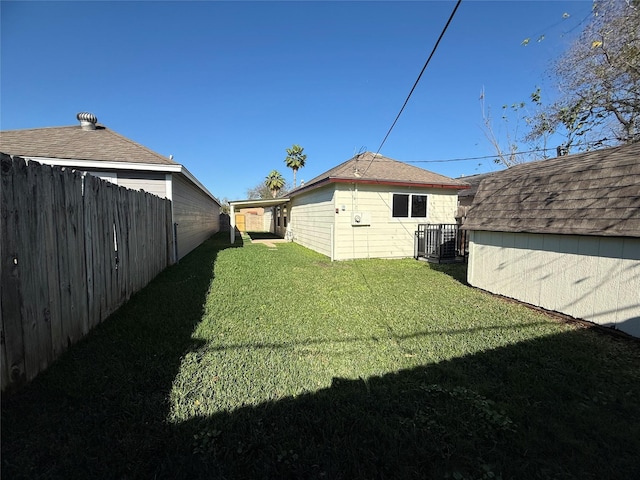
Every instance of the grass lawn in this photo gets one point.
(252, 362)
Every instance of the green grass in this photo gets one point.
(254, 362)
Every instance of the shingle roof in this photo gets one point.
(76, 143)
(592, 193)
(474, 182)
(371, 168)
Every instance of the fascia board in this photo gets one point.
(105, 165)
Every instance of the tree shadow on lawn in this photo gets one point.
(101, 409)
(561, 406)
(555, 407)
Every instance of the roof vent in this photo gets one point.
(87, 120)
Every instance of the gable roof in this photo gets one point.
(371, 168)
(592, 193)
(74, 142)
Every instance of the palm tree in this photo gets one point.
(274, 182)
(295, 160)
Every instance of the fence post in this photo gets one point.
(175, 241)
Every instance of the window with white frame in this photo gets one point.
(409, 205)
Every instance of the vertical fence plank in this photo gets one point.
(43, 246)
(135, 242)
(98, 265)
(125, 221)
(114, 295)
(51, 261)
(169, 232)
(88, 210)
(72, 280)
(118, 243)
(80, 265)
(103, 269)
(63, 262)
(27, 263)
(10, 292)
(148, 251)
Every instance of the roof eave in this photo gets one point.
(372, 181)
(262, 202)
(551, 231)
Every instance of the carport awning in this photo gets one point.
(263, 202)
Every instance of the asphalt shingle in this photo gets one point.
(591, 193)
(374, 168)
(73, 142)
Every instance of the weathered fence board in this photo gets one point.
(74, 248)
(13, 346)
(27, 250)
(48, 207)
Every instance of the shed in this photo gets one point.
(563, 234)
(98, 150)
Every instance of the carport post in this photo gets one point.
(232, 220)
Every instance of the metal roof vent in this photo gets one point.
(87, 120)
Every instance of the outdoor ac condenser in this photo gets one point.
(359, 219)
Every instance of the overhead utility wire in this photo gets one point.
(478, 158)
(485, 157)
(435, 47)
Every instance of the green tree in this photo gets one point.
(274, 182)
(599, 81)
(261, 191)
(224, 207)
(295, 160)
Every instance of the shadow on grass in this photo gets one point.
(538, 409)
(562, 406)
(101, 408)
(263, 236)
(458, 271)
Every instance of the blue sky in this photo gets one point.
(226, 87)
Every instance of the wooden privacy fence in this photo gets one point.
(74, 248)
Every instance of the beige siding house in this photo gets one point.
(564, 235)
(97, 150)
(369, 207)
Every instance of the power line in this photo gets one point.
(433, 51)
(465, 159)
(537, 150)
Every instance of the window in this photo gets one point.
(419, 206)
(409, 205)
(400, 205)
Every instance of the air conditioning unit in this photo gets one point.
(359, 219)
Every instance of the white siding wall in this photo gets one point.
(150, 182)
(197, 215)
(311, 218)
(107, 176)
(587, 277)
(385, 237)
